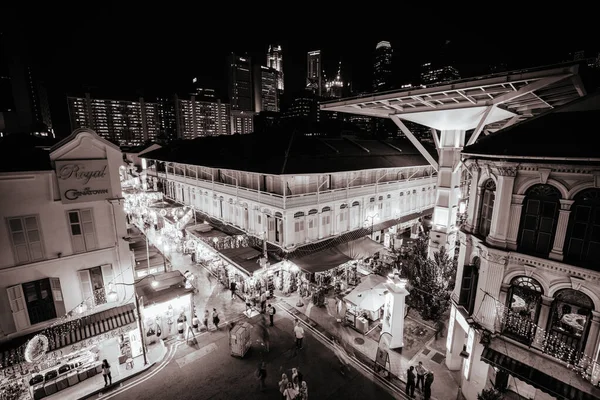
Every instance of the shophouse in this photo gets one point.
(526, 307)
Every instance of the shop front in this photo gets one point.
(61, 357)
(365, 303)
(167, 305)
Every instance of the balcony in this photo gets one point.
(299, 200)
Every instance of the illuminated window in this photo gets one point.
(488, 197)
(523, 306)
(538, 220)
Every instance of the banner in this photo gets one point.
(83, 180)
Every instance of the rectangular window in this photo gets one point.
(96, 283)
(468, 288)
(35, 302)
(26, 239)
(81, 227)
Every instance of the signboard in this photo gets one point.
(36, 348)
(135, 341)
(83, 180)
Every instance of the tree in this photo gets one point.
(430, 280)
(490, 394)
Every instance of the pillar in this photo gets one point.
(514, 220)
(503, 199)
(596, 350)
(460, 264)
(561, 230)
(592, 338)
(473, 198)
(542, 322)
(455, 339)
(393, 316)
(448, 187)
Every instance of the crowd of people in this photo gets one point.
(419, 375)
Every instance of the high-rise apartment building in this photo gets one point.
(382, 67)
(431, 75)
(124, 122)
(240, 83)
(242, 122)
(275, 61)
(197, 118)
(266, 96)
(314, 72)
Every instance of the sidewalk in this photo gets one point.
(95, 385)
(420, 345)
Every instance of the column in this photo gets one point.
(490, 280)
(473, 198)
(542, 322)
(516, 208)
(500, 307)
(393, 316)
(460, 265)
(591, 346)
(448, 186)
(502, 202)
(561, 229)
(477, 208)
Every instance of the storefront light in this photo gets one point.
(154, 284)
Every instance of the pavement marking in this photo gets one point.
(196, 355)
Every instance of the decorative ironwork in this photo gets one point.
(588, 196)
(490, 185)
(542, 190)
(527, 282)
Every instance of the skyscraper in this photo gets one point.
(240, 83)
(314, 72)
(335, 87)
(431, 75)
(382, 67)
(266, 94)
(275, 61)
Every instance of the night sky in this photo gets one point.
(128, 49)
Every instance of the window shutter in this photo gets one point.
(57, 295)
(35, 238)
(465, 287)
(18, 307)
(77, 237)
(86, 287)
(88, 230)
(107, 277)
(19, 240)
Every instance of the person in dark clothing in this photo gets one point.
(232, 287)
(427, 389)
(410, 382)
(262, 375)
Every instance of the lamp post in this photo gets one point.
(372, 218)
(113, 294)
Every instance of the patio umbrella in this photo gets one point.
(371, 299)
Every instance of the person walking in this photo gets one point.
(283, 383)
(410, 382)
(303, 391)
(439, 329)
(262, 375)
(290, 393)
(263, 302)
(271, 311)
(342, 356)
(205, 320)
(215, 318)
(421, 371)
(232, 287)
(106, 373)
(299, 335)
(266, 336)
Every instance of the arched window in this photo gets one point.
(522, 309)
(487, 207)
(538, 220)
(569, 325)
(582, 245)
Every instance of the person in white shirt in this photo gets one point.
(299, 335)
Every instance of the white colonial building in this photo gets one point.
(297, 190)
(526, 307)
(62, 242)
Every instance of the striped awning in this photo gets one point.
(87, 327)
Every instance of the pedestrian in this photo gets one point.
(106, 373)
(205, 321)
(195, 323)
(299, 335)
(232, 287)
(303, 391)
(262, 375)
(300, 376)
(215, 318)
(283, 383)
(421, 371)
(266, 336)
(410, 382)
(295, 379)
(342, 356)
(263, 302)
(271, 313)
(290, 393)
(439, 329)
(428, 382)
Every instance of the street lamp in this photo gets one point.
(372, 218)
(113, 296)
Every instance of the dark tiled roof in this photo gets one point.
(291, 155)
(567, 132)
(20, 153)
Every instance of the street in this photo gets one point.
(206, 370)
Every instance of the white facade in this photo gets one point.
(528, 273)
(294, 210)
(54, 253)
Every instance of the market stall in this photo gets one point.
(42, 364)
(166, 302)
(365, 303)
